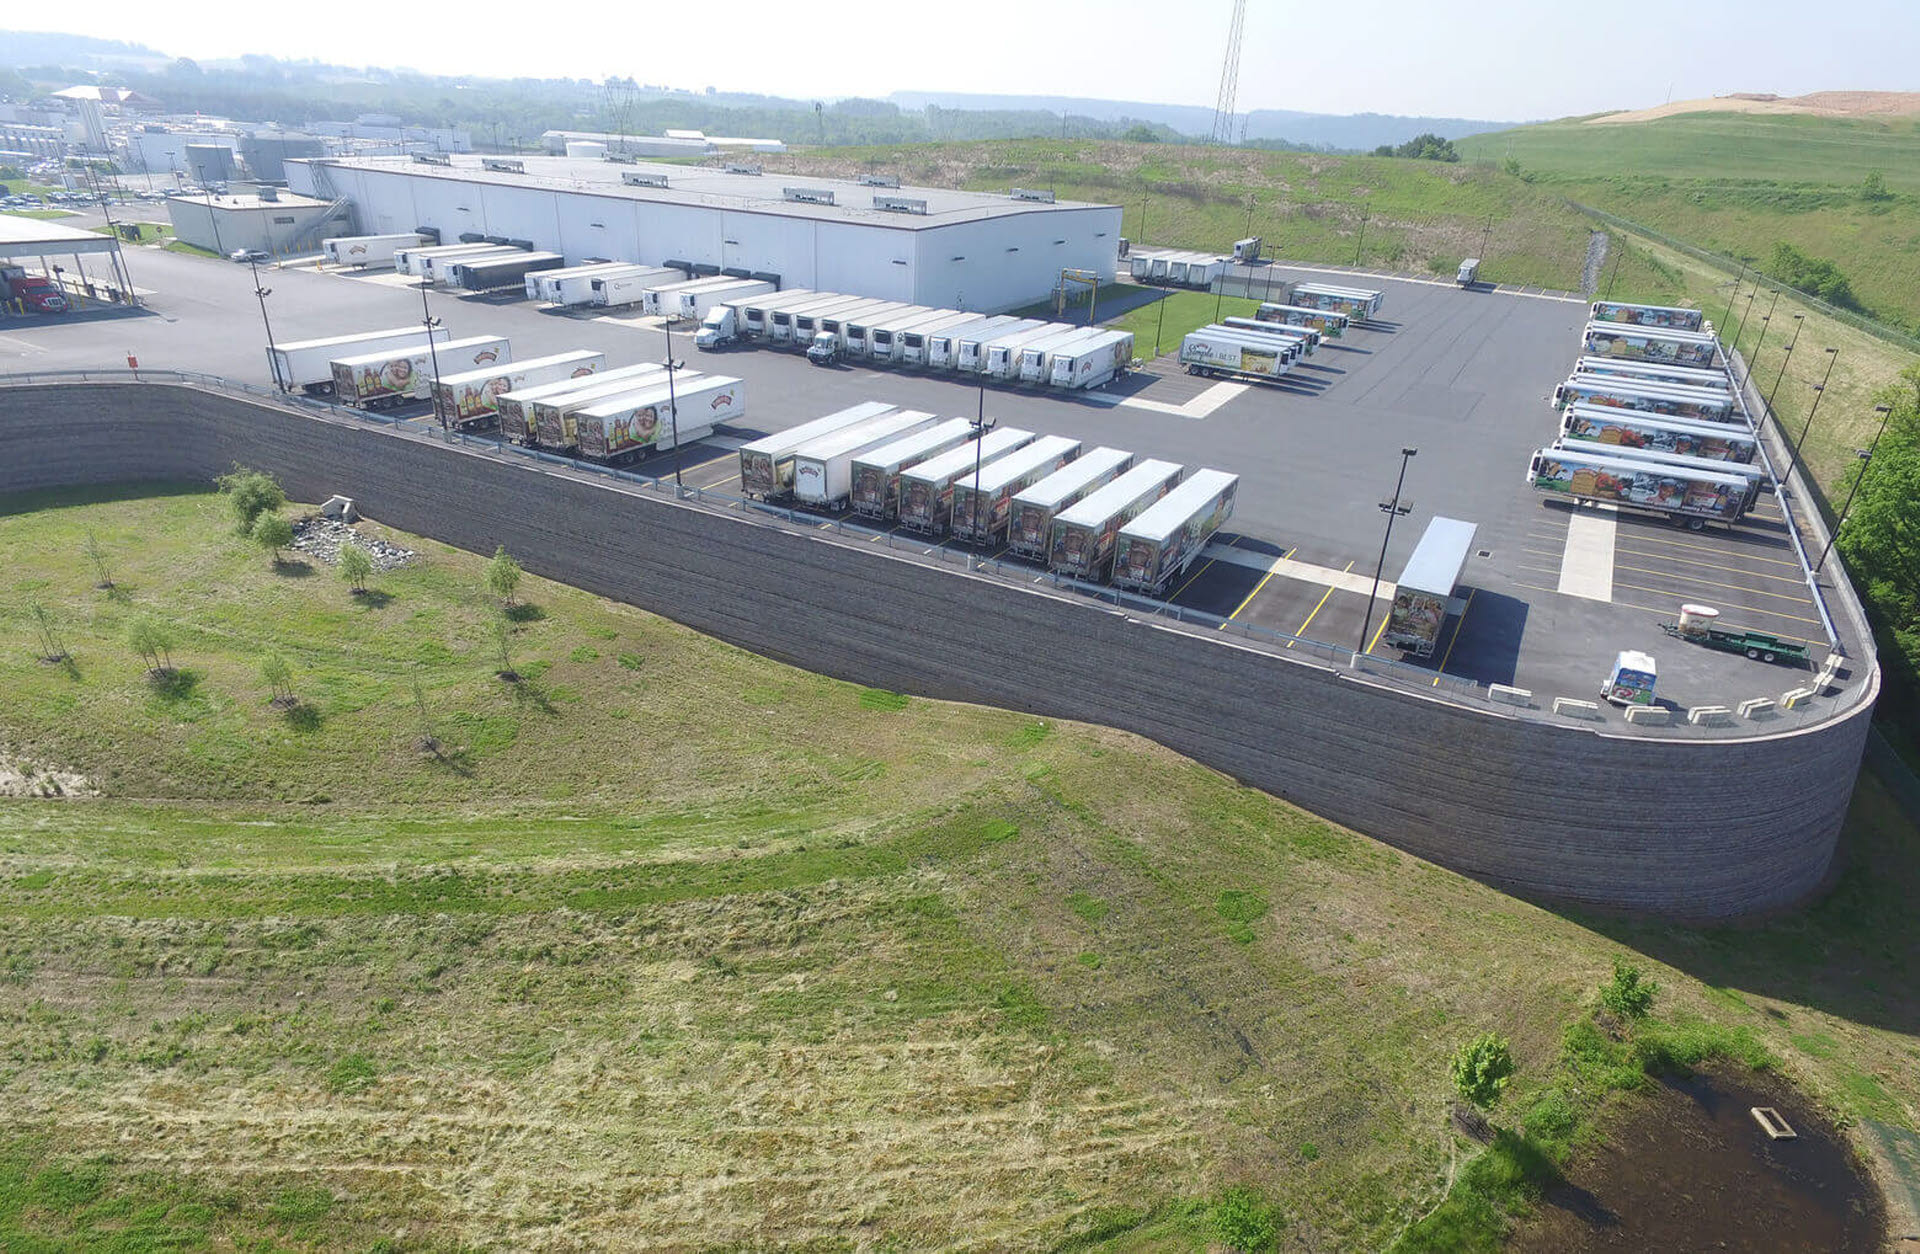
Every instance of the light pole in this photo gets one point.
(1747, 310)
(673, 407)
(980, 428)
(1735, 293)
(1766, 320)
(1159, 326)
(430, 322)
(1819, 391)
(1798, 322)
(273, 359)
(213, 221)
(1392, 509)
(1360, 247)
(1866, 459)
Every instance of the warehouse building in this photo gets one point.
(930, 246)
(271, 221)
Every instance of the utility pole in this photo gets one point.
(1366, 211)
(430, 322)
(1392, 509)
(673, 407)
(980, 428)
(273, 359)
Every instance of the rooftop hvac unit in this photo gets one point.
(1023, 193)
(899, 204)
(637, 178)
(807, 195)
(880, 180)
(432, 158)
(742, 169)
(502, 165)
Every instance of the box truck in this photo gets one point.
(1681, 348)
(500, 274)
(1036, 359)
(395, 376)
(1655, 372)
(912, 347)
(1307, 337)
(1423, 595)
(1092, 362)
(1030, 518)
(970, 350)
(515, 409)
(766, 464)
(823, 468)
(551, 417)
(1328, 322)
(1246, 251)
(629, 427)
(1754, 477)
(943, 347)
(1693, 497)
(546, 286)
(1358, 303)
(1167, 537)
(982, 503)
(307, 365)
(367, 252)
(1220, 350)
(876, 472)
(1671, 316)
(696, 302)
(1080, 543)
(622, 288)
(1672, 399)
(470, 400)
(926, 490)
(1716, 441)
(1469, 272)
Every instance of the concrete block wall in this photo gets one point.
(1694, 829)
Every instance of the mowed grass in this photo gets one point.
(675, 946)
(1157, 330)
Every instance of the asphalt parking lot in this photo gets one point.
(1462, 376)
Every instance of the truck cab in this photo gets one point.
(718, 329)
(35, 294)
(825, 349)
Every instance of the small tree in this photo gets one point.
(153, 642)
(279, 677)
(503, 575)
(503, 644)
(250, 493)
(1481, 1069)
(355, 567)
(98, 556)
(273, 533)
(1874, 187)
(52, 648)
(428, 741)
(1628, 995)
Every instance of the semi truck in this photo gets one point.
(697, 302)
(515, 409)
(1681, 348)
(1671, 399)
(1692, 497)
(1081, 541)
(1671, 316)
(1655, 372)
(365, 252)
(1308, 338)
(926, 490)
(1358, 303)
(766, 464)
(913, 347)
(982, 504)
(943, 347)
(1604, 424)
(502, 273)
(1167, 537)
(1328, 322)
(628, 287)
(876, 472)
(630, 427)
(844, 334)
(1030, 518)
(393, 376)
(1469, 272)
(1753, 477)
(1218, 350)
(823, 468)
(970, 351)
(307, 365)
(551, 417)
(1423, 595)
(34, 293)
(470, 400)
(547, 286)
(1092, 362)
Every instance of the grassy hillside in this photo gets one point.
(667, 944)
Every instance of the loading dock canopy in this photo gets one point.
(29, 237)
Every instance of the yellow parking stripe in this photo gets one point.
(1457, 629)
(1256, 592)
(1381, 632)
(1714, 583)
(1710, 548)
(1684, 561)
(1749, 609)
(1316, 609)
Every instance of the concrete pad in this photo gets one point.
(1586, 566)
(1305, 572)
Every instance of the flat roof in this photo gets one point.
(717, 189)
(31, 237)
(242, 204)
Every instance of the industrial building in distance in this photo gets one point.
(928, 246)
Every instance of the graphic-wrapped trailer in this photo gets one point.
(1220, 350)
(633, 426)
(1689, 496)
(1030, 521)
(982, 506)
(471, 399)
(518, 411)
(1649, 315)
(1328, 322)
(926, 490)
(1754, 477)
(1082, 538)
(1167, 537)
(876, 473)
(1656, 372)
(1423, 595)
(1092, 362)
(1715, 441)
(1671, 399)
(823, 468)
(1307, 337)
(365, 251)
(1358, 303)
(307, 365)
(552, 416)
(766, 464)
(392, 377)
(1682, 348)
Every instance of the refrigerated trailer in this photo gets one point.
(1307, 337)
(663, 300)
(844, 332)
(913, 348)
(393, 376)
(1656, 372)
(1671, 316)
(823, 468)
(1080, 542)
(970, 350)
(470, 400)
(439, 270)
(808, 325)
(549, 419)
(1671, 399)
(1604, 424)
(859, 329)
(1753, 476)
(515, 409)
(766, 464)
(367, 251)
(876, 472)
(943, 347)
(926, 490)
(1000, 358)
(1036, 359)
(1329, 322)
(1220, 350)
(1682, 348)
(1030, 518)
(1423, 595)
(755, 311)
(1168, 536)
(696, 301)
(1358, 303)
(307, 365)
(982, 503)
(784, 325)
(500, 274)
(548, 286)
(617, 291)
(632, 426)
(412, 260)
(1092, 362)
(1693, 497)
(883, 340)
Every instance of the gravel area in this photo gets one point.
(322, 538)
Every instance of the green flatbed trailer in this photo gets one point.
(1757, 645)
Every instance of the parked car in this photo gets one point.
(244, 255)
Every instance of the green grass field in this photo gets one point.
(669, 944)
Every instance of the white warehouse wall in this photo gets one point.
(1006, 262)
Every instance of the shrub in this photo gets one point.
(250, 493)
(1244, 1221)
(1481, 1069)
(273, 533)
(1627, 994)
(355, 566)
(503, 575)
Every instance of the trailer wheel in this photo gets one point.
(1696, 524)
(1753, 655)
(1767, 657)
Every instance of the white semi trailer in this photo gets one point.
(1033, 510)
(631, 426)
(1308, 337)
(823, 468)
(1672, 316)
(545, 285)
(368, 252)
(1080, 543)
(943, 347)
(926, 490)
(1092, 362)
(999, 358)
(471, 399)
(696, 302)
(1328, 322)
(1164, 540)
(1036, 360)
(876, 472)
(766, 464)
(905, 343)
(1220, 350)
(412, 259)
(553, 416)
(437, 269)
(1672, 399)
(809, 323)
(983, 503)
(1680, 348)
(629, 287)
(394, 376)
(1655, 372)
(1423, 595)
(1755, 477)
(307, 365)
(970, 347)
(1358, 303)
(1606, 424)
(845, 333)
(784, 326)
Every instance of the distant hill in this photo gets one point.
(1353, 131)
(33, 47)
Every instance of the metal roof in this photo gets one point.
(30, 237)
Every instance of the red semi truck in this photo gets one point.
(34, 293)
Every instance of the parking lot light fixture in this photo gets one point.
(673, 407)
(1392, 509)
(430, 322)
(1819, 392)
(1799, 320)
(262, 293)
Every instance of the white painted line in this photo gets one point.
(1395, 278)
(1586, 566)
(1196, 409)
(1305, 572)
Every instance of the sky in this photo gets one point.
(1509, 60)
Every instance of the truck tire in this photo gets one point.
(1767, 656)
(1753, 655)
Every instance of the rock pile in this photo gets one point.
(322, 538)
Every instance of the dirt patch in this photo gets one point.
(1831, 104)
(20, 777)
(1686, 1167)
